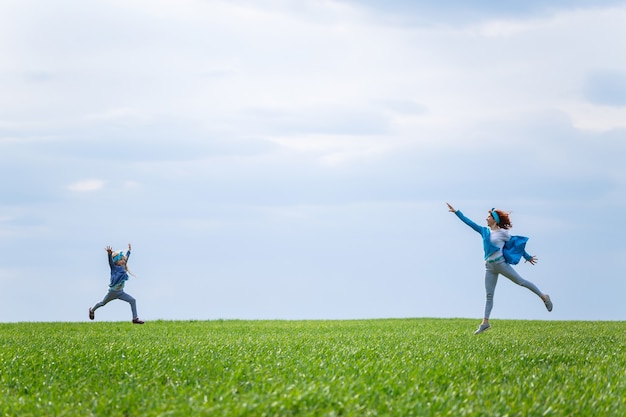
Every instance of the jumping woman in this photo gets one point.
(501, 251)
(119, 276)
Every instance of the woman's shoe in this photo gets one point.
(548, 302)
(482, 328)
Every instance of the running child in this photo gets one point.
(119, 275)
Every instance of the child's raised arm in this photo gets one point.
(109, 251)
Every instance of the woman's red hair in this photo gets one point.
(505, 222)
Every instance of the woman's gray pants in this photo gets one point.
(492, 270)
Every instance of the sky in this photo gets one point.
(293, 159)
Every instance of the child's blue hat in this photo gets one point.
(117, 255)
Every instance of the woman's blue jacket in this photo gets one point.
(514, 249)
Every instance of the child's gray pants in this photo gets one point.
(121, 295)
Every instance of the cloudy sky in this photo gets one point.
(292, 159)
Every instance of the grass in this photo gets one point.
(386, 367)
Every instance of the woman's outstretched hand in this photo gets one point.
(532, 260)
(450, 208)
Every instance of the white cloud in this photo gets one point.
(117, 114)
(87, 185)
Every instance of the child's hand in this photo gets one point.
(109, 249)
(129, 247)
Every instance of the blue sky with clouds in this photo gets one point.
(292, 160)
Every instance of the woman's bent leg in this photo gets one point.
(508, 271)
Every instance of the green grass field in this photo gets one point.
(397, 367)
